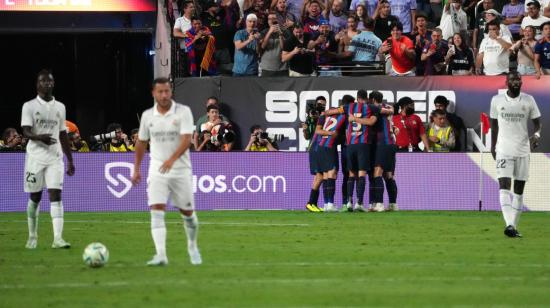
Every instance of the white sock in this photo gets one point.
(158, 231)
(517, 206)
(506, 206)
(191, 226)
(32, 218)
(56, 211)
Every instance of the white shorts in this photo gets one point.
(178, 190)
(516, 168)
(39, 175)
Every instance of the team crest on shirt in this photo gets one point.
(175, 122)
(523, 108)
(36, 114)
(502, 108)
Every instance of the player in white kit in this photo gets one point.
(43, 122)
(168, 126)
(511, 146)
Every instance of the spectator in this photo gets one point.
(345, 37)
(210, 131)
(408, 127)
(120, 142)
(312, 17)
(231, 15)
(544, 7)
(469, 7)
(401, 50)
(454, 20)
(513, 14)
(79, 145)
(134, 133)
(258, 10)
(285, 18)
(364, 47)
(295, 52)
(405, 11)
(456, 122)
(542, 52)
(420, 38)
(491, 15)
(326, 49)
(271, 47)
(433, 55)
(494, 52)
(479, 30)
(534, 18)
(213, 19)
(383, 20)
(246, 49)
(201, 46)
(525, 50)
(361, 14)
(181, 26)
(368, 5)
(460, 57)
(11, 141)
(212, 100)
(435, 7)
(260, 141)
(440, 133)
(334, 13)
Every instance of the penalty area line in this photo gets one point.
(262, 224)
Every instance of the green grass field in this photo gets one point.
(282, 259)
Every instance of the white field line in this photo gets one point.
(163, 282)
(261, 224)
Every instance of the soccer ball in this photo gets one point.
(95, 255)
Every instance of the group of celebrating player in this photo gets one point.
(363, 129)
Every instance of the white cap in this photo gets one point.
(251, 17)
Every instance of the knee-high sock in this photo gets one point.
(191, 226)
(313, 196)
(391, 187)
(56, 211)
(506, 207)
(378, 189)
(325, 191)
(351, 183)
(345, 188)
(331, 189)
(32, 218)
(158, 232)
(372, 193)
(517, 206)
(361, 183)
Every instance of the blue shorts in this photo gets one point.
(385, 157)
(328, 159)
(358, 157)
(314, 161)
(344, 159)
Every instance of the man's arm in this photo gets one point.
(370, 121)
(141, 145)
(424, 139)
(538, 70)
(288, 55)
(185, 143)
(535, 139)
(320, 131)
(494, 136)
(178, 33)
(45, 138)
(506, 45)
(450, 142)
(64, 140)
(479, 62)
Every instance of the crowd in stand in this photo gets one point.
(330, 37)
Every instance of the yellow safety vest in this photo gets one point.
(443, 135)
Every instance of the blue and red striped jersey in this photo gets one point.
(315, 139)
(384, 129)
(358, 133)
(333, 123)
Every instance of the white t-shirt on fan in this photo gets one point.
(495, 58)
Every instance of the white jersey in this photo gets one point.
(495, 58)
(513, 115)
(44, 118)
(536, 23)
(164, 132)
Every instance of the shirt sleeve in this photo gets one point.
(412, 4)
(186, 126)
(421, 128)
(483, 45)
(538, 48)
(143, 133)
(409, 43)
(535, 112)
(177, 24)
(238, 36)
(26, 115)
(62, 126)
(493, 113)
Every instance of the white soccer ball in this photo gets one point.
(95, 255)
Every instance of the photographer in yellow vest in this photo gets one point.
(440, 133)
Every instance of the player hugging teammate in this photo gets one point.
(370, 149)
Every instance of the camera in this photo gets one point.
(270, 137)
(313, 109)
(222, 133)
(103, 137)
